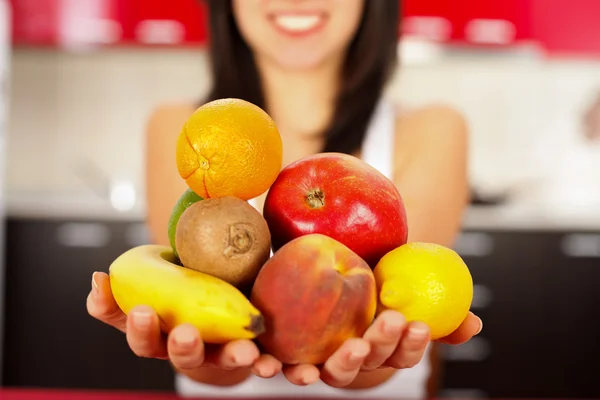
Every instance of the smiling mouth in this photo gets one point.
(298, 24)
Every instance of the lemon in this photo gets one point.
(188, 198)
(425, 282)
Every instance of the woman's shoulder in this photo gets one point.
(169, 115)
(437, 129)
(430, 122)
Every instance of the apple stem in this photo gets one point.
(315, 198)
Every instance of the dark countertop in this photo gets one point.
(508, 215)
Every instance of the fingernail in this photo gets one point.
(480, 326)
(95, 287)
(310, 377)
(357, 355)
(265, 372)
(141, 320)
(242, 358)
(185, 339)
(391, 329)
(417, 333)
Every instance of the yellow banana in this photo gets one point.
(148, 275)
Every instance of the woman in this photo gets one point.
(319, 68)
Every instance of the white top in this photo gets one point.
(377, 150)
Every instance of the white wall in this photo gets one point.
(68, 107)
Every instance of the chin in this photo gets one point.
(298, 66)
(293, 61)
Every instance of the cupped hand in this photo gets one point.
(390, 342)
(183, 346)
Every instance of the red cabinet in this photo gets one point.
(65, 23)
(436, 20)
(483, 22)
(35, 22)
(68, 23)
(558, 26)
(561, 26)
(567, 27)
(495, 22)
(163, 22)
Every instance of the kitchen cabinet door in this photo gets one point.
(35, 22)
(561, 27)
(567, 27)
(509, 296)
(437, 20)
(467, 22)
(538, 307)
(159, 22)
(495, 23)
(574, 276)
(88, 23)
(50, 340)
(71, 24)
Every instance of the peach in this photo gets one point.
(314, 294)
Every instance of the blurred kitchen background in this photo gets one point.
(80, 77)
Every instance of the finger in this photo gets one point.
(266, 366)
(471, 326)
(411, 348)
(186, 350)
(235, 354)
(383, 335)
(143, 333)
(343, 366)
(301, 375)
(101, 303)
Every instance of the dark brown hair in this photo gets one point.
(370, 61)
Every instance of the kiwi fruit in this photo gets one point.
(224, 237)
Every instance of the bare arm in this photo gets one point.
(163, 188)
(163, 183)
(434, 178)
(431, 174)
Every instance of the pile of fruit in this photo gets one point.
(327, 255)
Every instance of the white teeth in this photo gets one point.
(297, 23)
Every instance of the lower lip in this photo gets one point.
(300, 33)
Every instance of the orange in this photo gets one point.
(229, 147)
(425, 282)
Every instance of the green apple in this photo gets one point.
(188, 198)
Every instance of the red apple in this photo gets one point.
(339, 196)
(315, 294)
